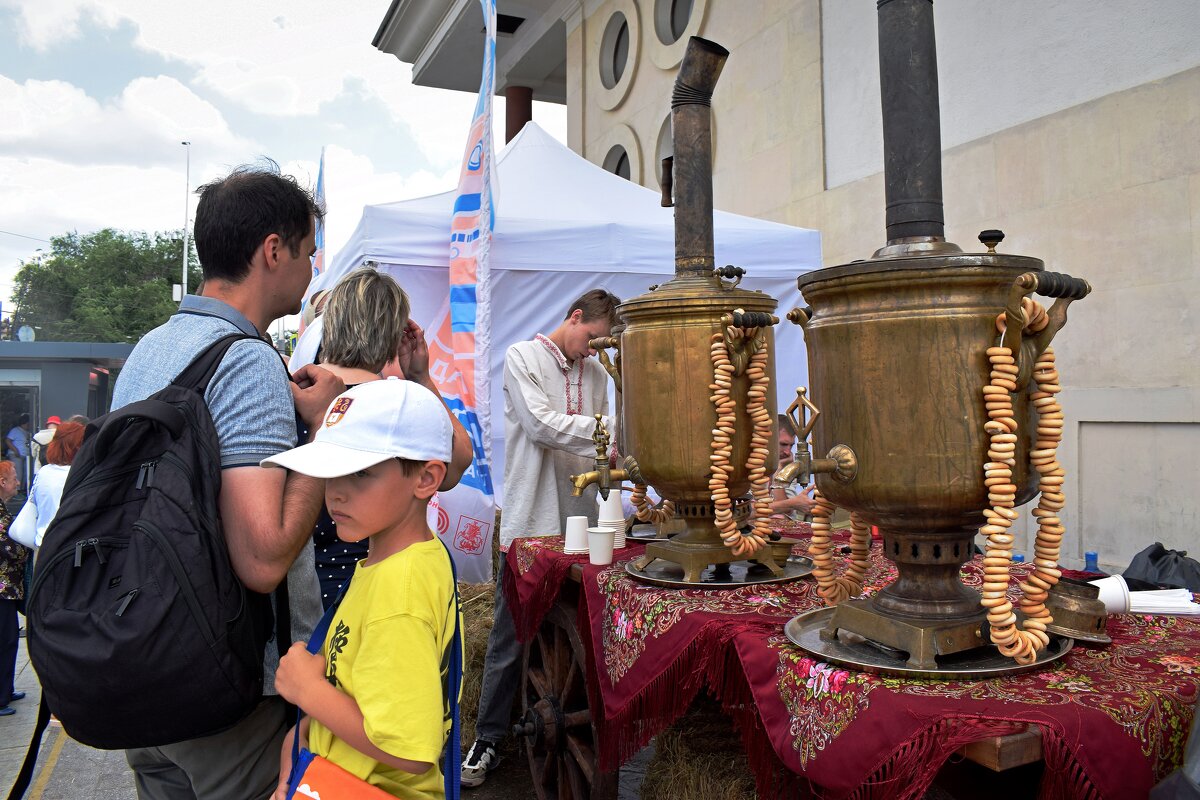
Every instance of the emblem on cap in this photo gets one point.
(340, 407)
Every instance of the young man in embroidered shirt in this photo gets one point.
(552, 390)
(377, 700)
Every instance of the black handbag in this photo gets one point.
(1156, 567)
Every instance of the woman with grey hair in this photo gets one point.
(368, 335)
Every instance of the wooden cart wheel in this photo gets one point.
(560, 734)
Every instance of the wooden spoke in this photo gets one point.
(582, 756)
(546, 653)
(549, 769)
(577, 718)
(564, 785)
(540, 685)
(568, 680)
(579, 782)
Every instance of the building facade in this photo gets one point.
(1074, 127)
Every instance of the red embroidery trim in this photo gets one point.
(574, 392)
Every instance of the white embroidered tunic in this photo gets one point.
(549, 408)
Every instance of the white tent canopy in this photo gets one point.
(563, 226)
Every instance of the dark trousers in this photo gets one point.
(501, 670)
(8, 649)
(241, 763)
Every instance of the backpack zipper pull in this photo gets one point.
(150, 467)
(141, 478)
(95, 543)
(126, 601)
(79, 553)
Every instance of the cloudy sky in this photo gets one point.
(96, 96)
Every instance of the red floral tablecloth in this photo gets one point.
(1115, 719)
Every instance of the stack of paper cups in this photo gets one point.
(575, 540)
(1114, 593)
(611, 515)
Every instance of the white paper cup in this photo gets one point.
(611, 508)
(575, 540)
(600, 545)
(1114, 593)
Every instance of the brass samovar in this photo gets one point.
(666, 374)
(896, 349)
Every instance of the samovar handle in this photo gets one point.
(1059, 285)
(601, 346)
(800, 316)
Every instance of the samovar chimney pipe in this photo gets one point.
(691, 130)
(912, 140)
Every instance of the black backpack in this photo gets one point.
(140, 632)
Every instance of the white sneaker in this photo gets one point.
(479, 761)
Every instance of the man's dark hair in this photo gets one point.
(785, 424)
(21, 420)
(596, 304)
(238, 211)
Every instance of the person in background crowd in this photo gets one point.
(37, 448)
(368, 334)
(254, 234)
(38, 512)
(12, 591)
(552, 389)
(790, 501)
(17, 441)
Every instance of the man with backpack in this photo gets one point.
(254, 233)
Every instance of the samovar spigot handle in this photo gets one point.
(603, 476)
(841, 461)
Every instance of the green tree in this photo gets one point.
(107, 286)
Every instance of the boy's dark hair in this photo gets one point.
(596, 304)
(410, 467)
(238, 211)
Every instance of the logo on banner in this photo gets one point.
(471, 535)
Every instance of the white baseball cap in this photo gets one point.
(369, 424)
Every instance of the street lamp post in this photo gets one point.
(186, 191)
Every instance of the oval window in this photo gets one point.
(671, 18)
(617, 161)
(614, 50)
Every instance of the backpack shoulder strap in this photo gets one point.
(200, 372)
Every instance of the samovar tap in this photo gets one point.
(603, 475)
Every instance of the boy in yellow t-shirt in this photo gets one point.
(378, 698)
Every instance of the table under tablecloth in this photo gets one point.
(1115, 719)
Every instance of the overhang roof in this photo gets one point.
(103, 354)
(444, 43)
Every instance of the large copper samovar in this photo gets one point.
(666, 372)
(896, 348)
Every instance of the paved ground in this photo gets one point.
(67, 770)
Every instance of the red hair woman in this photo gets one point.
(39, 510)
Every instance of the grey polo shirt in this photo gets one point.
(251, 406)
(249, 398)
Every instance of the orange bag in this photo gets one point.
(320, 779)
